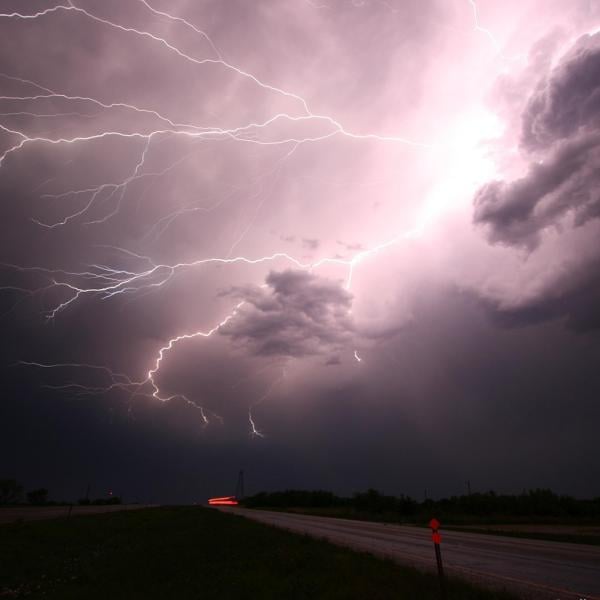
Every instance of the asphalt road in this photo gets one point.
(35, 513)
(531, 568)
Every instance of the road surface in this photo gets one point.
(531, 568)
(35, 513)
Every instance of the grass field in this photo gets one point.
(192, 552)
(592, 539)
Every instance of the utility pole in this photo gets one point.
(239, 488)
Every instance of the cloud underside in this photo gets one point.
(560, 192)
(295, 314)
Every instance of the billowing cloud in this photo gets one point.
(568, 181)
(561, 131)
(566, 102)
(295, 314)
(557, 202)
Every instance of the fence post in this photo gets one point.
(437, 538)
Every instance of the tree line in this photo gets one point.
(13, 493)
(530, 503)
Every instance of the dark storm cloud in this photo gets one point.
(436, 381)
(566, 101)
(561, 122)
(575, 297)
(566, 182)
(559, 194)
(297, 314)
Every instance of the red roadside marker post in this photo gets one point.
(434, 524)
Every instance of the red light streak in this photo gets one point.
(224, 501)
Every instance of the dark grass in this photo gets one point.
(572, 538)
(191, 552)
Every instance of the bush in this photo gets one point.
(38, 497)
(11, 491)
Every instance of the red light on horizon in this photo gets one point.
(223, 501)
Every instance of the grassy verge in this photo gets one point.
(190, 552)
(572, 538)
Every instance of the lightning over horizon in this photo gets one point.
(107, 281)
(143, 162)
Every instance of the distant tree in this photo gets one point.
(38, 497)
(294, 498)
(373, 501)
(11, 491)
(536, 504)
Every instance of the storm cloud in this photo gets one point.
(561, 128)
(542, 211)
(297, 314)
(222, 210)
(567, 182)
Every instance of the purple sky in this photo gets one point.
(337, 243)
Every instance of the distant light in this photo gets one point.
(224, 501)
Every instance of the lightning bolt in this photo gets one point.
(491, 37)
(151, 376)
(107, 282)
(481, 29)
(254, 432)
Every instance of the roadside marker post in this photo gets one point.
(434, 524)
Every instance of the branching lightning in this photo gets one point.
(483, 30)
(107, 282)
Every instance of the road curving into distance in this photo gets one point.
(531, 568)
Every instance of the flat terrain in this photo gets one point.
(551, 528)
(35, 513)
(539, 569)
(199, 553)
(577, 534)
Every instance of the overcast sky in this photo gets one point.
(339, 244)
